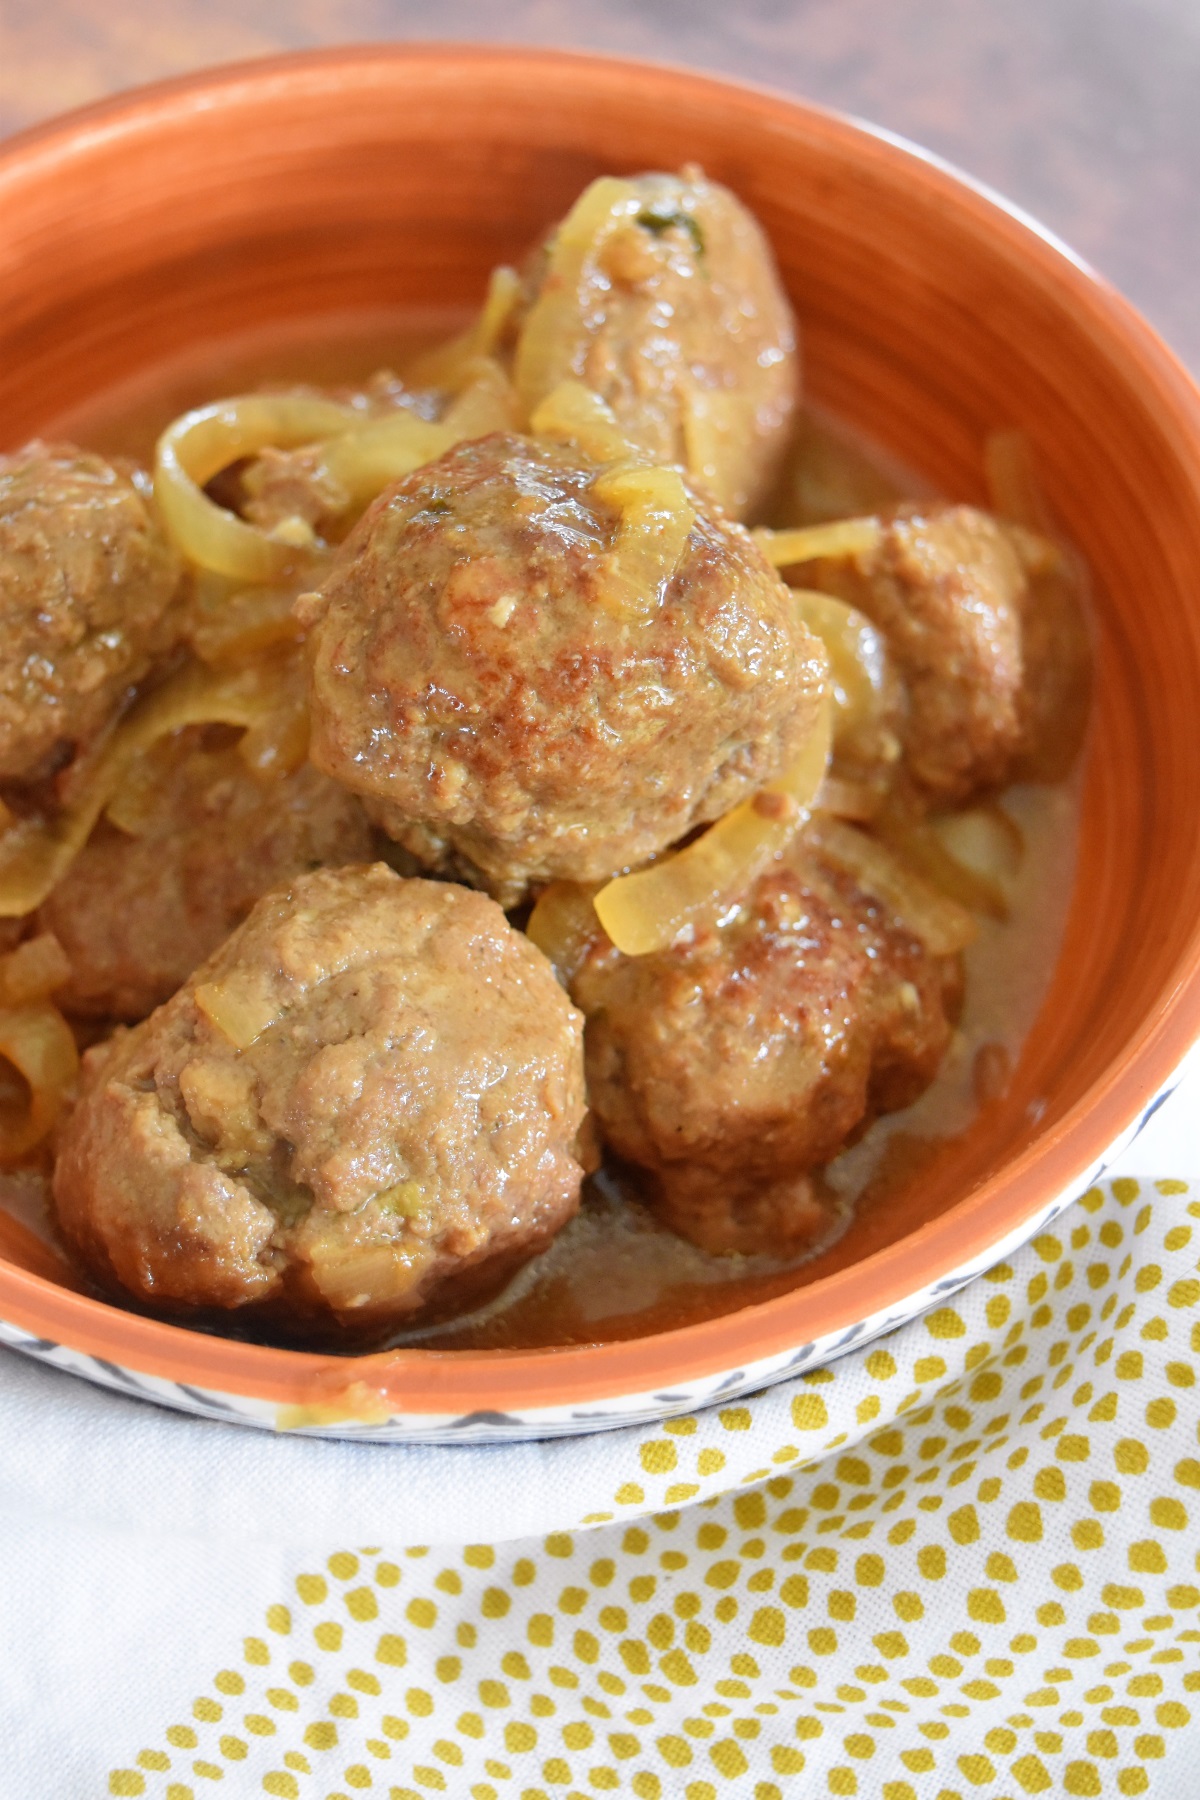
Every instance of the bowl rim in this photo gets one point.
(464, 1381)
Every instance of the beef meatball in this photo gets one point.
(471, 678)
(660, 294)
(205, 834)
(947, 588)
(86, 584)
(369, 1096)
(730, 1066)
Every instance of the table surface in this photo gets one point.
(1083, 111)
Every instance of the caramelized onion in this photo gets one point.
(564, 927)
(656, 517)
(200, 444)
(37, 1042)
(485, 402)
(841, 537)
(573, 414)
(370, 457)
(940, 923)
(36, 853)
(550, 333)
(858, 661)
(449, 365)
(647, 910)
(229, 623)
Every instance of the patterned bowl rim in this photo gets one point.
(442, 1382)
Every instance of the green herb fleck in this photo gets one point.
(663, 218)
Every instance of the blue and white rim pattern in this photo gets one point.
(604, 1415)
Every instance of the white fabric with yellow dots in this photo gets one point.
(962, 1562)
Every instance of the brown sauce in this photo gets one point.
(614, 1272)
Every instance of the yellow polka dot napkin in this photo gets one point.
(961, 1562)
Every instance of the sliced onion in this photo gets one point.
(370, 457)
(230, 623)
(572, 414)
(805, 543)
(33, 970)
(646, 911)
(847, 799)
(37, 1041)
(858, 660)
(656, 519)
(202, 443)
(939, 923)
(240, 1011)
(551, 331)
(485, 403)
(449, 365)
(972, 856)
(36, 853)
(564, 927)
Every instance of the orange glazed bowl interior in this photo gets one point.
(397, 178)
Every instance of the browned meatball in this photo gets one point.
(731, 1066)
(470, 679)
(86, 583)
(947, 589)
(369, 1095)
(140, 908)
(672, 311)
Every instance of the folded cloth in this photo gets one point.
(960, 1561)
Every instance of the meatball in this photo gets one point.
(660, 293)
(731, 1066)
(207, 834)
(86, 584)
(371, 1095)
(946, 587)
(471, 680)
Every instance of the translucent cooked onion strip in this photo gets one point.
(449, 365)
(485, 403)
(551, 330)
(847, 799)
(367, 459)
(38, 1043)
(572, 414)
(229, 623)
(240, 1011)
(646, 911)
(200, 444)
(564, 927)
(36, 853)
(33, 970)
(841, 537)
(919, 843)
(656, 518)
(938, 922)
(858, 660)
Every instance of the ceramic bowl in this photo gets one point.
(931, 313)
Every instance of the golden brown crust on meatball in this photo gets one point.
(681, 325)
(370, 1093)
(731, 1066)
(946, 587)
(470, 681)
(86, 584)
(138, 911)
